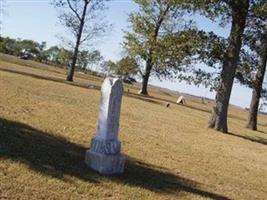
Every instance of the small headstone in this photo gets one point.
(104, 155)
(181, 100)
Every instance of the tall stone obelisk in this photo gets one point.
(104, 155)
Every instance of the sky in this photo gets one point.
(37, 20)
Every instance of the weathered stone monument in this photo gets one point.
(104, 155)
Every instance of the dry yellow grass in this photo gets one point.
(46, 126)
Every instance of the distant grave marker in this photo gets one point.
(181, 100)
(104, 155)
(202, 100)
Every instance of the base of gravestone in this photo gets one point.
(105, 164)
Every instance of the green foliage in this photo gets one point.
(213, 48)
(213, 9)
(53, 54)
(208, 60)
(86, 58)
(37, 50)
(125, 67)
(64, 56)
(255, 38)
(177, 53)
(59, 56)
(30, 45)
(161, 37)
(107, 66)
(18, 47)
(9, 46)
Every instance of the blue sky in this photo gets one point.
(37, 20)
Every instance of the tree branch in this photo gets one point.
(160, 20)
(74, 11)
(140, 72)
(88, 36)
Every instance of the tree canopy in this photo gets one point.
(160, 38)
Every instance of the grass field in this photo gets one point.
(46, 126)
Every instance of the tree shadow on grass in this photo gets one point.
(160, 180)
(260, 131)
(54, 79)
(256, 139)
(43, 152)
(142, 98)
(55, 156)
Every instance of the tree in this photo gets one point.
(78, 19)
(9, 46)
(258, 81)
(64, 56)
(263, 103)
(238, 10)
(29, 45)
(18, 47)
(230, 48)
(95, 58)
(83, 59)
(59, 56)
(42, 54)
(125, 68)
(251, 73)
(157, 40)
(107, 66)
(52, 53)
(86, 58)
(254, 59)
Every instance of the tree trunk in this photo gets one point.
(253, 112)
(146, 77)
(219, 116)
(257, 86)
(149, 62)
(73, 62)
(77, 45)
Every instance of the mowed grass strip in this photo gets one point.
(46, 127)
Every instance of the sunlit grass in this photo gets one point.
(46, 126)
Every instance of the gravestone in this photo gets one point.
(104, 155)
(181, 100)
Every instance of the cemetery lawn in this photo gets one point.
(46, 125)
